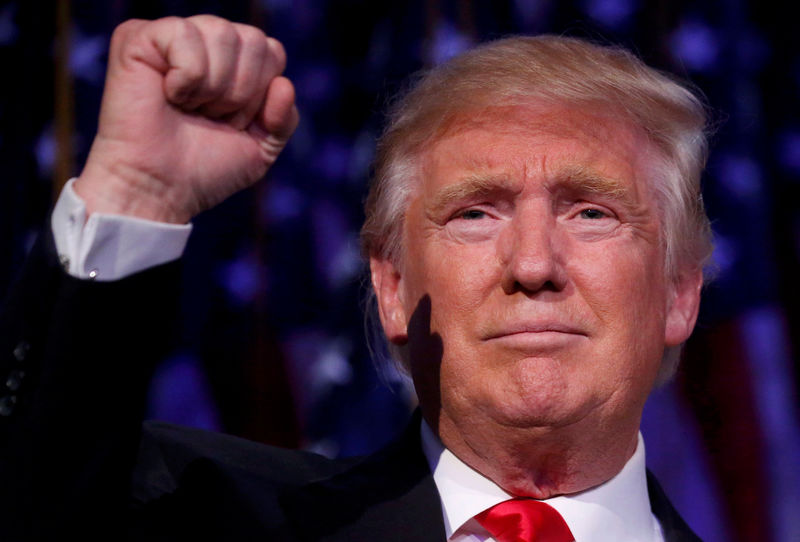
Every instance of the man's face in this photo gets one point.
(531, 291)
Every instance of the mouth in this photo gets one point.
(533, 328)
(536, 335)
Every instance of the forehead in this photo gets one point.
(513, 145)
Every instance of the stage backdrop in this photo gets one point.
(272, 345)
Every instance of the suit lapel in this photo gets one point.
(390, 496)
(672, 524)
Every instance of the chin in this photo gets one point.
(536, 416)
(537, 393)
(527, 410)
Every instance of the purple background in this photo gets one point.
(272, 345)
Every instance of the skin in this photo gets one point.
(531, 300)
(193, 110)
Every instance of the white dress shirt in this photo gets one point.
(616, 511)
(110, 247)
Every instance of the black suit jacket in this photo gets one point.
(248, 490)
(72, 355)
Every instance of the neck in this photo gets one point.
(538, 462)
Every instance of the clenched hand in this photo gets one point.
(193, 110)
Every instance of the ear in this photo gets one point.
(387, 283)
(683, 307)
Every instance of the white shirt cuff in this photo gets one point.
(110, 247)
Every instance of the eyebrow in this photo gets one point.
(470, 187)
(588, 181)
(578, 180)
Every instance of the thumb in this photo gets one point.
(278, 118)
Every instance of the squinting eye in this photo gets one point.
(472, 214)
(592, 214)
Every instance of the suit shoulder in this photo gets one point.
(167, 452)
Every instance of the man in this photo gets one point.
(536, 240)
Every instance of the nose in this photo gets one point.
(533, 255)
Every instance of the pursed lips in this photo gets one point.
(535, 331)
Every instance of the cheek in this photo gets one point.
(626, 293)
(460, 274)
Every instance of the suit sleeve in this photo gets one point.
(75, 360)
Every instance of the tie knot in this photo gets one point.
(525, 520)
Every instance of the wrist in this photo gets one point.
(114, 187)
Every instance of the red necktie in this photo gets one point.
(525, 520)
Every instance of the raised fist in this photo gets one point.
(193, 110)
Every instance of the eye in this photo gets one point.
(474, 223)
(472, 214)
(592, 214)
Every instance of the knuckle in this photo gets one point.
(238, 97)
(207, 21)
(251, 35)
(126, 27)
(182, 27)
(217, 30)
(192, 74)
(257, 52)
(278, 52)
(173, 19)
(123, 33)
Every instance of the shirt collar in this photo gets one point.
(615, 511)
